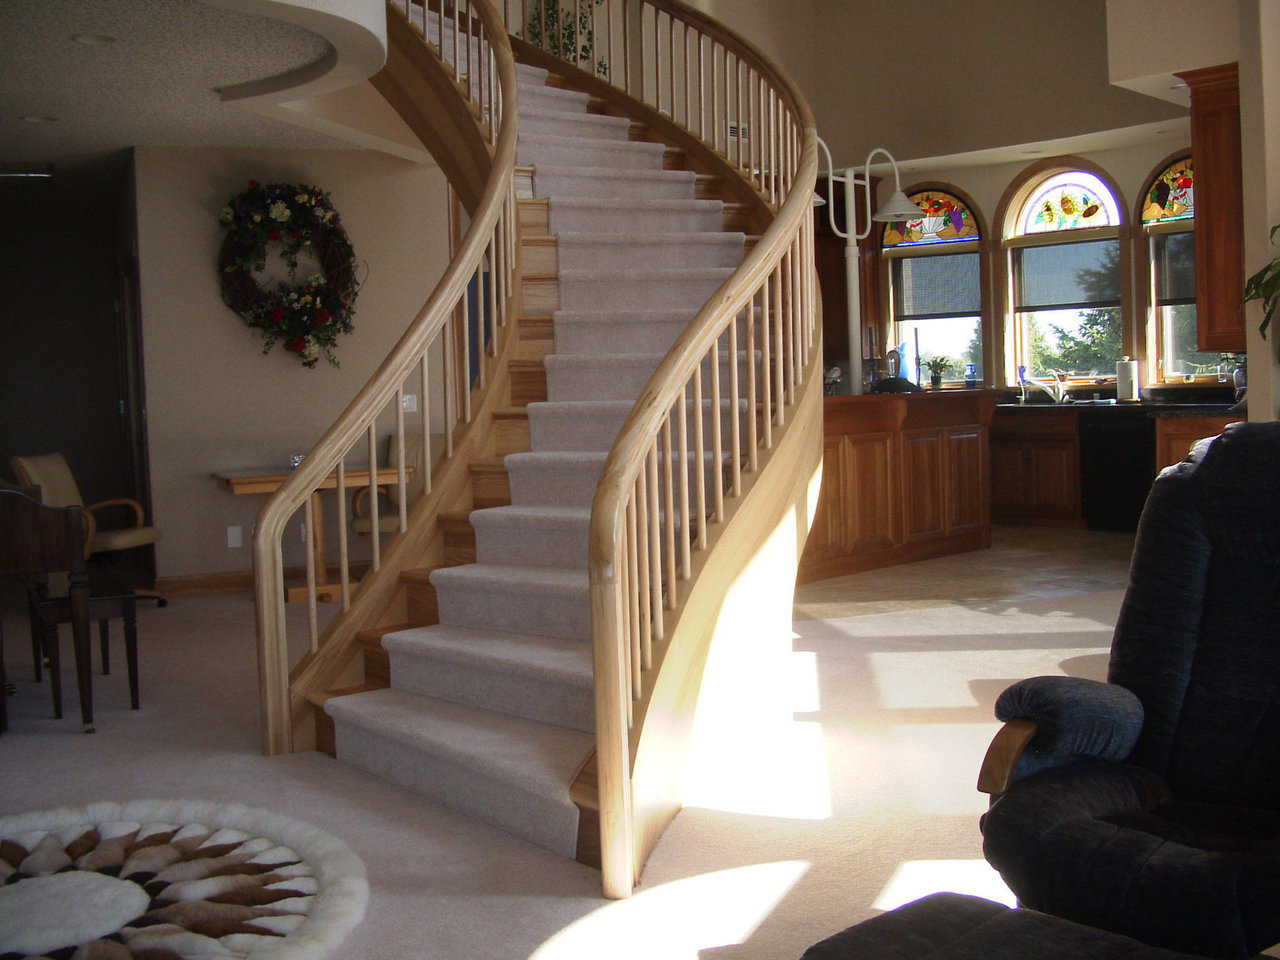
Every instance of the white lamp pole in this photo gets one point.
(897, 208)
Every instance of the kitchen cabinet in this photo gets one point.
(1176, 435)
(1035, 469)
(904, 477)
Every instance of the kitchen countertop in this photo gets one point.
(1140, 408)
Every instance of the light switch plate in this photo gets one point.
(235, 536)
(410, 403)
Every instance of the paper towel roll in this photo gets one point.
(1126, 379)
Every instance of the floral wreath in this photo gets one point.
(307, 317)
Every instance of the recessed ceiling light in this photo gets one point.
(37, 118)
(94, 39)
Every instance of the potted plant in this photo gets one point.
(936, 366)
(1265, 286)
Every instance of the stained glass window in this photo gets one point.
(1172, 194)
(1069, 201)
(943, 219)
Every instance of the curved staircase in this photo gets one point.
(644, 361)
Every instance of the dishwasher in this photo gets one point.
(1117, 465)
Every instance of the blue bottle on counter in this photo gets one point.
(970, 376)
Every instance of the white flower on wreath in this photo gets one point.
(325, 216)
(227, 215)
(311, 350)
(317, 280)
(302, 198)
(280, 211)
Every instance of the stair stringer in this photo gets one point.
(764, 531)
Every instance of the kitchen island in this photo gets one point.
(905, 476)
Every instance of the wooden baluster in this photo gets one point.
(682, 434)
(766, 347)
(657, 78)
(493, 308)
(780, 394)
(717, 440)
(773, 149)
(726, 102)
(655, 554)
(735, 415)
(609, 54)
(643, 549)
(578, 38)
(310, 528)
(669, 505)
(524, 20)
(671, 65)
(715, 102)
(375, 524)
(753, 444)
(737, 109)
(446, 348)
(457, 64)
(687, 62)
(478, 279)
(344, 575)
(787, 292)
(632, 599)
(699, 443)
(425, 393)
(702, 89)
(401, 483)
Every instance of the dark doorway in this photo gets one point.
(70, 346)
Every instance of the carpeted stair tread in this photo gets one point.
(512, 772)
(611, 173)
(661, 203)
(545, 658)
(715, 238)
(549, 148)
(539, 678)
(546, 601)
(533, 535)
(539, 96)
(551, 580)
(655, 275)
(528, 73)
(538, 121)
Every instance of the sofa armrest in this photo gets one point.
(1072, 717)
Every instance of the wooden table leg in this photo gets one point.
(53, 656)
(79, 600)
(104, 641)
(130, 608)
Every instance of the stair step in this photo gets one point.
(619, 376)
(526, 73)
(540, 291)
(510, 772)
(553, 180)
(596, 152)
(545, 601)
(595, 424)
(422, 606)
(536, 122)
(459, 537)
(534, 216)
(535, 536)
(528, 381)
(651, 251)
(663, 289)
(539, 96)
(585, 215)
(323, 722)
(586, 332)
(546, 679)
(551, 478)
(490, 483)
(509, 431)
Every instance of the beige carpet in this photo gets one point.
(832, 778)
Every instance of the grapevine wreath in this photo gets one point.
(308, 316)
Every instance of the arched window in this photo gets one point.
(934, 274)
(1168, 235)
(1067, 277)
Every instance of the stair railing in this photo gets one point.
(447, 352)
(675, 472)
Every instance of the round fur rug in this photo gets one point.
(173, 880)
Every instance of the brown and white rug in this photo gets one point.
(173, 880)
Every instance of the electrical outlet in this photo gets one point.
(235, 536)
(410, 403)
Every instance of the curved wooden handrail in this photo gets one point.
(491, 234)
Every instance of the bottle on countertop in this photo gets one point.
(970, 376)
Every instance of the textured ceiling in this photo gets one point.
(153, 87)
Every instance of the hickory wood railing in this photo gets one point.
(677, 468)
(448, 353)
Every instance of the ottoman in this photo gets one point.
(951, 926)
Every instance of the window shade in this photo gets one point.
(935, 287)
(1175, 255)
(1066, 275)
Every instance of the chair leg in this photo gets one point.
(55, 667)
(37, 648)
(131, 649)
(79, 598)
(104, 640)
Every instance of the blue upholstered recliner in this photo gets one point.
(1150, 805)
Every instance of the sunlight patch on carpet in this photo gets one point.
(174, 879)
(919, 878)
(679, 920)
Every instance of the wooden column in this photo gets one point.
(1215, 151)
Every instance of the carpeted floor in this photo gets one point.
(832, 774)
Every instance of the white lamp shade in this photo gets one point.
(897, 208)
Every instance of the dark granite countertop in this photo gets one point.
(1142, 408)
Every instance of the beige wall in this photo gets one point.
(1152, 39)
(214, 401)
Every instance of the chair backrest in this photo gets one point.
(412, 458)
(35, 538)
(49, 472)
(1198, 638)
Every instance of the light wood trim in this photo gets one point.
(414, 79)
(1150, 347)
(996, 775)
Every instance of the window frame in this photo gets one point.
(980, 246)
(1012, 344)
(1148, 306)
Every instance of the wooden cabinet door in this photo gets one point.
(1175, 436)
(1008, 476)
(1053, 478)
(923, 459)
(827, 533)
(965, 480)
(869, 524)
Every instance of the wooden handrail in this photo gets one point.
(490, 238)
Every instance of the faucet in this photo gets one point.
(1055, 388)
